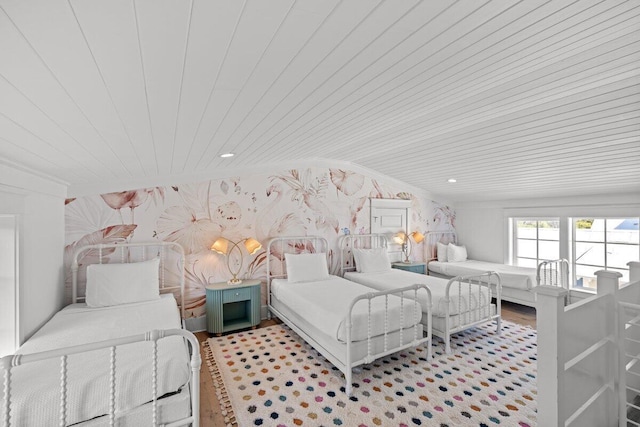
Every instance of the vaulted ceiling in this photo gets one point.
(511, 98)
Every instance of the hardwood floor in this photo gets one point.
(211, 414)
(520, 314)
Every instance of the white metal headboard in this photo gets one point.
(361, 241)
(433, 237)
(171, 255)
(279, 246)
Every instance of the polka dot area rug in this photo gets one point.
(272, 377)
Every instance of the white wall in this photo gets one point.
(482, 226)
(41, 261)
(39, 204)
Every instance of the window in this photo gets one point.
(535, 240)
(8, 284)
(603, 243)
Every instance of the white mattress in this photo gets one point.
(510, 276)
(35, 387)
(396, 278)
(324, 305)
(336, 351)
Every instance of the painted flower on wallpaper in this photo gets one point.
(444, 215)
(310, 191)
(181, 224)
(378, 193)
(196, 196)
(274, 220)
(355, 209)
(347, 182)
(132, 199)
(84, 216)
(111, 234)
(228, 215)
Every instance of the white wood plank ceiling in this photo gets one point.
(512, 98)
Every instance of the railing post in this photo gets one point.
(634, 271)
(549, 319)
(609, 283)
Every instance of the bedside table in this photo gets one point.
(232, 307)
(416, 267)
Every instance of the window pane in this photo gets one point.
(526, 248)
(590, 253)
(585, 276)
(548, 250)
(622, 230)
(625, 274)
(526, 262)
(619, 255)
(549, 234)
(589, 230)
(526, 229)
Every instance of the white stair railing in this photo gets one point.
(588, 353)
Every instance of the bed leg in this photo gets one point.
(499, 326)
(347, 385)
(447, 344)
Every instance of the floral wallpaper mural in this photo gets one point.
(311, 201)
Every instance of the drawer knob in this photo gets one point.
(237, 293)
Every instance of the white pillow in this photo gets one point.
(442, 252)
(114, 284)
(306, 267)
(456, 253)
(371, 260)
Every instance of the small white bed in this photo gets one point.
(446, 259)
(120, 358)
(347, 323)
(458, 304)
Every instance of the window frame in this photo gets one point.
(514, 241)
(605, 242)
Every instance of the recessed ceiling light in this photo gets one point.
(225, 155)
(452, 180)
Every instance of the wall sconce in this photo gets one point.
(405, 240)
(224, 246)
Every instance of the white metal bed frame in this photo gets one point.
(320, 245)
(8, 363)
(467, 287)
(548, 272)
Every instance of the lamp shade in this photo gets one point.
(400, 238)
(417, 236)
(220, 246)
(252, 245)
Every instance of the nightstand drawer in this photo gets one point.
(233, 295)
(414, 267)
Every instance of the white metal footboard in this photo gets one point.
(8, 363)
(347, 363)
(417, 316)
(276, 249)
(553, 273)
(465, 289)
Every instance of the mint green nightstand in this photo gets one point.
(416, 267)
(232, 307)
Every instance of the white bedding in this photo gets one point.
(324, 305)
(35, 387)
(396, 278)
(510, 276)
